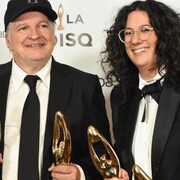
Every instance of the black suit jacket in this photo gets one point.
(166, 142)
(78, 95)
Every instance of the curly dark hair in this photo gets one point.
(117, 65)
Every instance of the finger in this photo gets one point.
(51, 168)
(1, 159)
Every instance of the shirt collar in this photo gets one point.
(18, 74)
(142, 82)
(44, 73)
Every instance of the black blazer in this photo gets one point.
(166, 142)
(78, 95)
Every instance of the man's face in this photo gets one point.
(31, 38)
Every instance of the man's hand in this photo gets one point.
(1, 159)
(65, 172)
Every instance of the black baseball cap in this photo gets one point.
(18, 7)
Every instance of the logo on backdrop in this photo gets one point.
(60, 17)
(2, 34)
(71, 39)
(105, 83)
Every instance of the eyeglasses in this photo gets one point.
(126, 35)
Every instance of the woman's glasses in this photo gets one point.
(126, 35)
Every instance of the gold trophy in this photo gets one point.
(139, 174)
(61, 146)
(60, 15)
(107, 167)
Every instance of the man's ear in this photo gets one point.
(8, 43)
(55, 40)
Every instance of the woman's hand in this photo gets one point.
(123, 176)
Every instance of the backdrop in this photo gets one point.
(80, 34)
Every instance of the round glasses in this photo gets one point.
(126, 35)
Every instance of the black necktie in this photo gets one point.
(152, 89)
(29, 137)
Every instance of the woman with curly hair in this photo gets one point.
(142, 59)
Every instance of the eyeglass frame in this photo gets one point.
(138, 31)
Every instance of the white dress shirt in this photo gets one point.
(142, 141)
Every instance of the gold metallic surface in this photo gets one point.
(107, 166)
(139, 174)
(61, 146)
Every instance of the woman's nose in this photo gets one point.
(136, 38)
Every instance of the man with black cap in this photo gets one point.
(30, 37)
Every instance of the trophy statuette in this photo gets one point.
(61, 146)
(60, 17)
(139, 174)
(107, 167)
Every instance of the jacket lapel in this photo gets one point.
(60, 89)
(169, 102)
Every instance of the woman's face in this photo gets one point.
(141, 50)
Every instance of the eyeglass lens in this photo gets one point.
(127, 34)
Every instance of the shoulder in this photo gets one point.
(75, 74)
(5, 68)
(116, 94)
